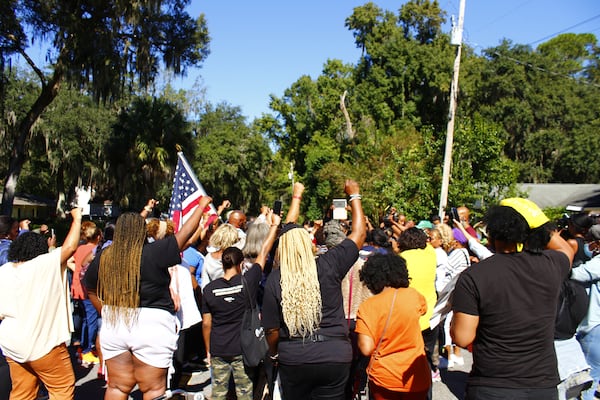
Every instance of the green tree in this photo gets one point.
(545, 100)
(142, 150)
(231, 159)
(107, 47)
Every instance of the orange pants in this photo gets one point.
(54, 370)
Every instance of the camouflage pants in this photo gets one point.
(221, 370)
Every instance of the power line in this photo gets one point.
(528, 64)
(566, 29)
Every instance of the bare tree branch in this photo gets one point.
(349, 129)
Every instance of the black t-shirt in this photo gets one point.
(515, 297)
(331, 269)
(226, 301)
(157, 257)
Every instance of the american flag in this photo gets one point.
(187, 192)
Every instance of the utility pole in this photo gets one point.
(457, 31)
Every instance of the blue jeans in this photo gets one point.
(590, 344)
(89, 329)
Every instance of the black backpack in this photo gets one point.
(573, 303)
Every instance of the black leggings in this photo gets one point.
(5, 382)
(314, 381)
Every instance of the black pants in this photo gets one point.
(5, 383)
(314, 381)
(495, 393)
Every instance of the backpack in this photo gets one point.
(573, 303)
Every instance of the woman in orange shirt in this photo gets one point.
(388, 331)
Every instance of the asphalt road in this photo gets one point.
(88, 387)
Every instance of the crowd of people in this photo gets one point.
(348, 307)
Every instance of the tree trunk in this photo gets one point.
(19, 153)
(349, 129)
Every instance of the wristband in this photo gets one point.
(148, 208)
(355, 197)
(296, 197)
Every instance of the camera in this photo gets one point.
(563, 222)
(391, 215)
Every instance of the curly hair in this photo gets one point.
(158, 229)
(506, 224)
(380, 238)
(333, 233)
(232, 257)
(412, 238)
(27, 246)
(383, 270)
(538, 238)
(446, 234)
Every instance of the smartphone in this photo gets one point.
(277, 207)
(454, 215)
(339, 209)
(52, 232)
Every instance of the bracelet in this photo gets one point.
(296, 197)
(148, 208)
(355, 197)
(274, 357)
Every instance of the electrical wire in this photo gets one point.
(566, 29)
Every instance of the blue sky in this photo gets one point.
(261, 47)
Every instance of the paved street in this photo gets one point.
(90, 388)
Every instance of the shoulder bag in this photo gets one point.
(252, 337)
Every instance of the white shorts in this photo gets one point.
(152, 340)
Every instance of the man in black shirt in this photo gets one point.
(505, 306)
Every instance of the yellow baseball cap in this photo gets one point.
(534, 216)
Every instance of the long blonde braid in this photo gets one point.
(300, 289)
(119, 274)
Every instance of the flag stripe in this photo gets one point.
(187, 192)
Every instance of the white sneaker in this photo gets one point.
(458, 360)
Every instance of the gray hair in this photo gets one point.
(333, 233)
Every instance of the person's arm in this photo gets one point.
(463, 328)
(273, 341)
(359, 227)
(199, 233)
(95, 300)
(397, 227)
(475, 245)
(206, 328)
(589, 271)
(366, 344)
(190, 226)
(72, 240)
(273, 220)
(559, 244)
(148, 208)
(294, 211)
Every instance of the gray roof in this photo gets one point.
(562, 194)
